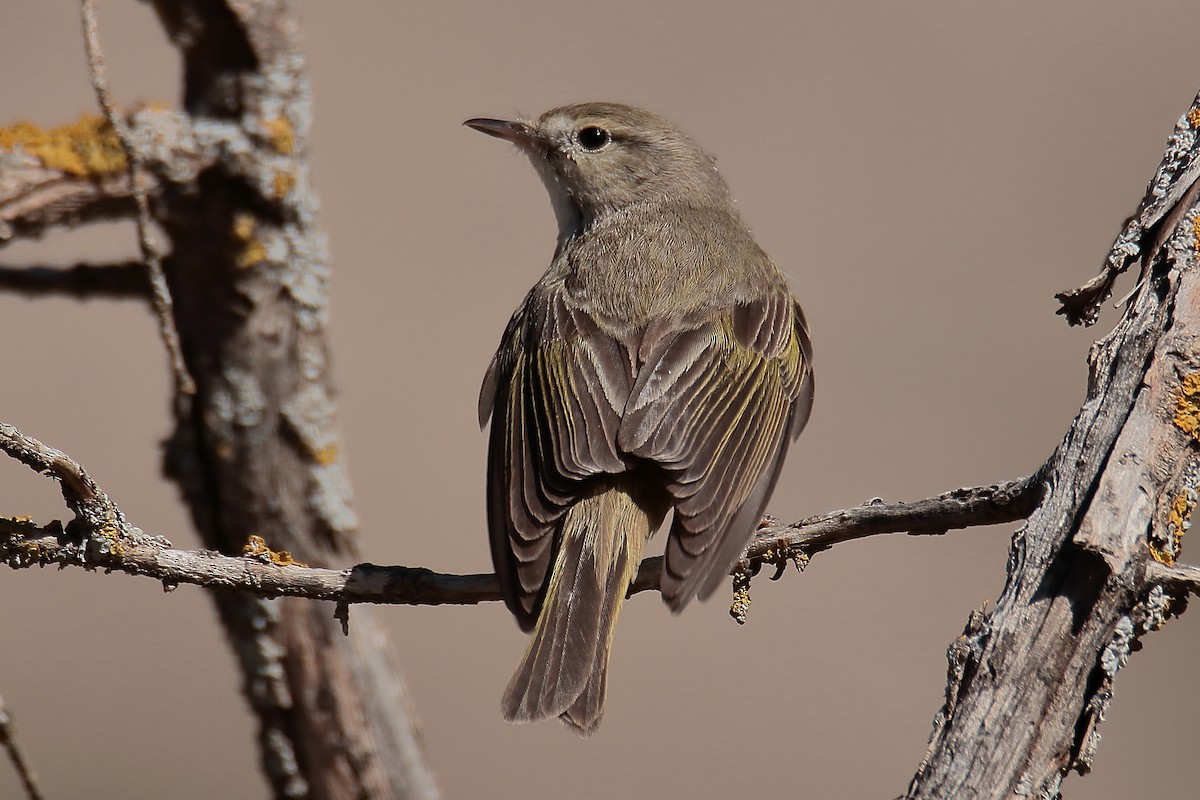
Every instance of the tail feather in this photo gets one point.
(585, 713)
(564, 670)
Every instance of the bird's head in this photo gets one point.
(599, 158)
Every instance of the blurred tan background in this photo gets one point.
(928, 175)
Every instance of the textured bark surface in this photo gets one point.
(255, 450)
(1031, 679)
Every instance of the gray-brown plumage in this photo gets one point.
(660, 363)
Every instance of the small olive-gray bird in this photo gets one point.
(660, 364)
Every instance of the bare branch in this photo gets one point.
(126, 280)
(16, 755)
(35, 198)
(123, 548)
(23, 544)
(1179, 576)
(1168, 195)
(962, 508)
(77, 487)
(160, 293)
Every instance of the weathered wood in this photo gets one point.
(1031, 679)
(256, 450)
(266, 573)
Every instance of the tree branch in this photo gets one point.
(1092, 570)
(266, 573)
(61, 176)
(160, 295)
(24, 770)
(1178, 576)
(77, 173)
(1168, 195)
(126, 280)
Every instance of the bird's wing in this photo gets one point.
(714, 406)
(554, 390)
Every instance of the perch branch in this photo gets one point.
(124, 548)
(160, 294)
(125, 280)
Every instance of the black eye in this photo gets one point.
(593, 138)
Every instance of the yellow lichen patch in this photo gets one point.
(21, 524)
(110, 533)
(1196, 233)
(1193, 117)
(281, 136)
(18, 528)
(256, 547)
(740, 607)
(282, 184)
(87, 147)
(250, 251)
(1178, 521)
(325, 455)
(1187, 405)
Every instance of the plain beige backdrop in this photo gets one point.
(928, 174)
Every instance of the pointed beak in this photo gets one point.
(518, 133)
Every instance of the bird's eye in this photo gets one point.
(593, 138)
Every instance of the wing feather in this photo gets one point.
(554, 391)
(714, 406)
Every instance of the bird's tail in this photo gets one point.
(564, 670)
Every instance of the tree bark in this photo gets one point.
(1090, 572)
(255, 450)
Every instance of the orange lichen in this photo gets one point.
(282, 183)
(1178, 521)
(1193, 117)
(251, 251)
(1187, 405)
(281, 135)
(325, 455)
(87, 147)
(115, 541)
(256, 547)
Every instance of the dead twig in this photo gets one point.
(160, 294)
(16, 755)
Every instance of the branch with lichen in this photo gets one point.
(1170, 193)
(100, 538)
(76, 174)
(60, 177)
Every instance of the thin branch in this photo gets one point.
(35, 198)
(160, 293)
(1170, 193)
(126, 280)
(120, 547)
(777, 545)
(1179, 576)
(23, 544)
(16, 755)
(77, 486)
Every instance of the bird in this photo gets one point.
(660, 365)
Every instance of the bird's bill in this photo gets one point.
(516, 132)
